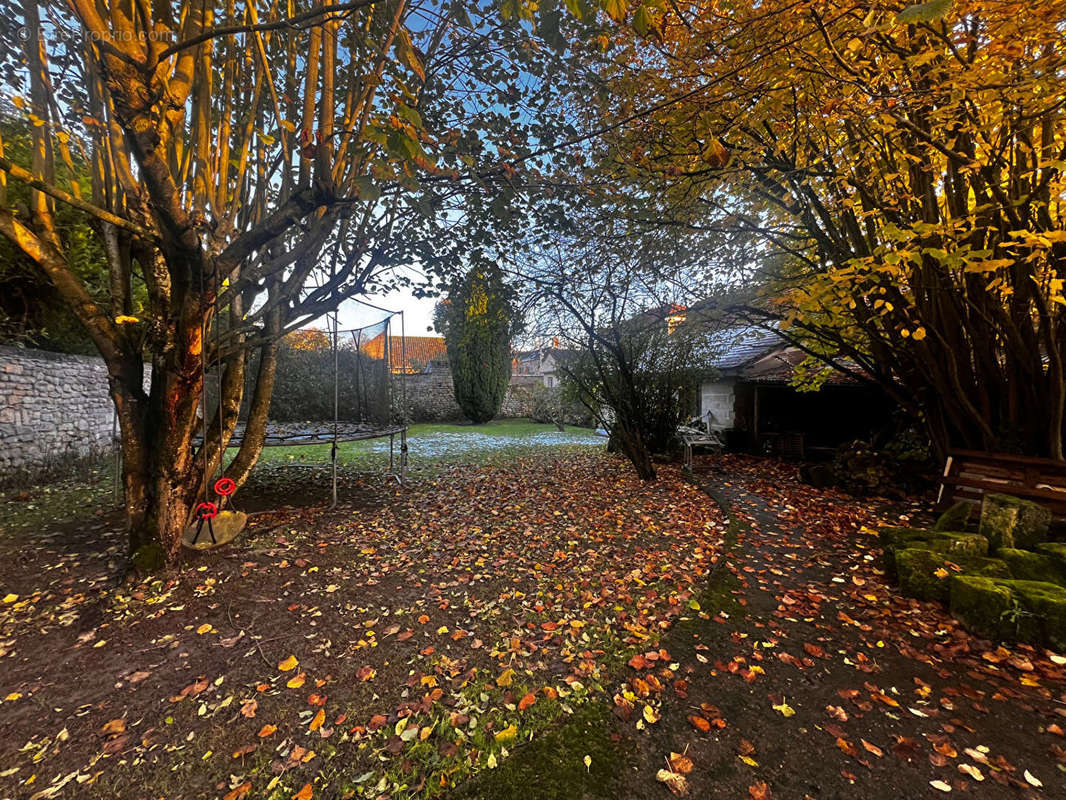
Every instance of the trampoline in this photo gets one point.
(364, 398)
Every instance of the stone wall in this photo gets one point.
(53, 408)
(431, 397)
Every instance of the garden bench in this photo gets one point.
(968, 474)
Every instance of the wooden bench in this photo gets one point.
(968, 474)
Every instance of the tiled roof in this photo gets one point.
(732, 348)
(419, 351)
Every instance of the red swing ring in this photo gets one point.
(224, 487)
(207, 511)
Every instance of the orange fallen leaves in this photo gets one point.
(527, 701)
(267, 730)
(304, 793)
(239, 792)
(288, 664)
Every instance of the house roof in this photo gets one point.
(733, 348)
(418, 350)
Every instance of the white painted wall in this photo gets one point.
(717, 400)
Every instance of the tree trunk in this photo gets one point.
(633, 447)
(162, 477)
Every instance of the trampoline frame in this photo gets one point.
(336, 436)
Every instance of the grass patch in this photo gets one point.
(552, 766)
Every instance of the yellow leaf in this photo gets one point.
(785, 709)
(125, 319)
(288, 664)
(10, 598)
(297, 681)
(205, 628)
(650, 715)
(508, 733)
(506, 678)
(918, 334)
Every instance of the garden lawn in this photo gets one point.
(391, 647)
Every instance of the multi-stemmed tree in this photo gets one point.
(900, 173)
(252, 165)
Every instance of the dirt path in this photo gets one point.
(815, 679)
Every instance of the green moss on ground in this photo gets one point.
(149, 558)
(1013, 522)
(926, 574)
(552, 766)
(1026, 565)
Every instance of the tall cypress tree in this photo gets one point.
(477, 320)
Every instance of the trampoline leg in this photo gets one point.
(392, 440)
(333, 504)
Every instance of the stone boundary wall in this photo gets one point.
(54, 408)
(431, 397)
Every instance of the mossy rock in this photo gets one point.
(1055, 550)
(982, 605)
(1012, 522)
(955, 518)
(1044, 607)
(896, 535)
(895, 539)
(1010, 610)
(1026, 565)
(926, 574)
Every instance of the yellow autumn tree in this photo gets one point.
(898, 173)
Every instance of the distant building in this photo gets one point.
(409, 355)
(752, 398)
(543, 363)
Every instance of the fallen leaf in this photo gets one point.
(527, 701)
(239, 792)
(114, 727)
(785, 709)
(267, 730)
(304, 793)
(288, 664)
(872, 748)
(680, 763)
(699, 722)
(674, 782)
